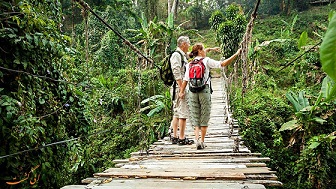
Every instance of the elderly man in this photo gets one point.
(178, 61)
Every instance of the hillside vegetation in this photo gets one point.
(302, 150)
(74, 96)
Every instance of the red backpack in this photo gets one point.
(196, 74)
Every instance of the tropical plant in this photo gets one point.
(158, 106)
(229, 27)
(155, 105)
(327, 50)
(39, 104)
(314, 125)
(148, 36)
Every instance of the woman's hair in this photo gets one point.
(195, 48)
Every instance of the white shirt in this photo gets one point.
(208, 63)
(176, 62)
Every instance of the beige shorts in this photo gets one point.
(180, 106)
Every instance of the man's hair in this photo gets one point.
(182, 39)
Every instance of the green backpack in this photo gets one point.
(166, 72)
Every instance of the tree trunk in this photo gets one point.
(288, 8)
(174, 8)
(169, 6)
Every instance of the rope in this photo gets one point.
(55, 143)
(295, 59)
(244, 45)
(43, 77)
(128, 43)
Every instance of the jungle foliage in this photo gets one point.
(288, 114)
(51, 91)
(66, 77)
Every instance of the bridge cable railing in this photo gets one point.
(226, 81)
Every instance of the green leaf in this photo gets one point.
(319, 120)
(331, 14)
(41, 100)
(303, 39)
(171, 20)
(29, 37)
(299, 101)
(328, 50)
(12, 35)
(307, 109)
(152, 98)
(328, 89)
(313, 145)
(290, 125)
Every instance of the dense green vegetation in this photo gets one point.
(65, 76)
(289, 113)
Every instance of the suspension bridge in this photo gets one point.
(224, 163)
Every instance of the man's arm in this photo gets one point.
(179, 82)
(175, 61)
(182, 89)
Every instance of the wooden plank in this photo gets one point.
(204, 156)
(196, 161)
(75, 187)
(217, 139)
(216, 173)
(207, 154)
(174, 184)
(183, 166)
(261, 177)
(90, 180)
(188, 148)
(191, 152)
(193, 163)
(209, 141)
(173, 173)
(121, 160)
(266, 182)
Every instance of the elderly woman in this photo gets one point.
(200, 102)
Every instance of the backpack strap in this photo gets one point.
(182, 59)
(208, 77)
(210, 83)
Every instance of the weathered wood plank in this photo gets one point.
(204, 156)
(75, 187)
(182, 166)
(191, 151)
(195, 173)
(173, 173)
(176, 184)
(121, 160)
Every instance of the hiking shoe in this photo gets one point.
(174, 140)
(203, 145)
(185, 141)
(198, 145)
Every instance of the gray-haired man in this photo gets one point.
(180, 108)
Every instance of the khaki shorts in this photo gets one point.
(180, 106)
(200, 107)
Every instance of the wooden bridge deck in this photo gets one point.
(224, 163)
